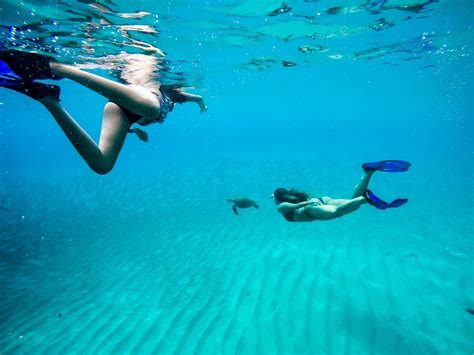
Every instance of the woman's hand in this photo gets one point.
(315, 202)
(202, 105)
(194, 98)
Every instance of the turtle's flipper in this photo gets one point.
(234, 208)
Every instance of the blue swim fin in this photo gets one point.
(11, 80)
(7, 76)
(28, 65)
(32, 89)
(373, 200)
(390, 166)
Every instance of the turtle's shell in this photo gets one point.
(244, 202)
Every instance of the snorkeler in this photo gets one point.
(128, 104)
(298, 206)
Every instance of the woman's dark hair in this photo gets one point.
(292, 196)
(173, 91)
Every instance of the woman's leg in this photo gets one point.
(335, 208)
(363, 184)
(333, 201)
(358, 190)
(100, 158)
(327, 212)
(142, 102)
(349, 206)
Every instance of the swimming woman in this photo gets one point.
(298, 206)
(128, 104)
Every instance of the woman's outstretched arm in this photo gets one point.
(286, 206)
(195, 98)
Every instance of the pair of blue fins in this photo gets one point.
(19, 70)
(390, 166)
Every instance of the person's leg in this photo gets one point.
(327, 212)
(333, 201)
(100, 158)
(358, 190)
(142, 102)
(349, 206)
(363, 184)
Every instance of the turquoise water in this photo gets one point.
(151, 259)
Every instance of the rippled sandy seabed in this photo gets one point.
(141, 274)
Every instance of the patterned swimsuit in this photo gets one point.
(166, 106)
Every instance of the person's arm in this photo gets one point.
(195, 98)
(286, 206)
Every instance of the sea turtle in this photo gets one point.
(242, 203)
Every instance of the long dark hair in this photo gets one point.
(173, 91)
(292, 196)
